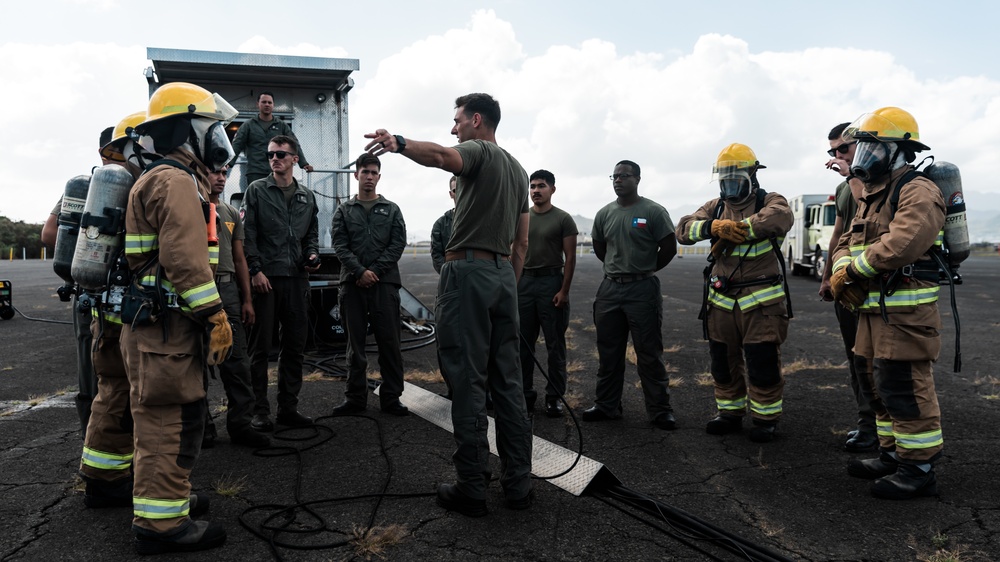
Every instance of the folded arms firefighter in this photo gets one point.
(173, 304)
(744, 310)
(883, 267)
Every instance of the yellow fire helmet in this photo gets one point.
(122, 132)
(888, 124)
(736, 157)
(181, 98)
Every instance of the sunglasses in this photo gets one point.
(279, 154)
(841, 149)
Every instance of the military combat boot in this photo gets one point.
(909, 482)
(871, 469)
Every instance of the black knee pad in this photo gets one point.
(894, 380)
(719, 352)
(762, 364)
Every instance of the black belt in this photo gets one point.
(463, 254)
(542, 272)
(224, 278)
(630, 278)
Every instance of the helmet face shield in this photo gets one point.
(872, 159)
(734, 183)
(214, 147)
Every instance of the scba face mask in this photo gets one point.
(735, 186)
(873, 159)
(211, 143)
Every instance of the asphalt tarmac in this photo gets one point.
(792, 497)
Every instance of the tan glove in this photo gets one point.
(720, 248)
(220, 338)
(730, 230)
(845, 291)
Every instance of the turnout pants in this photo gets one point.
(167, 381)
(630, 308)
(537, 313)
(902, 353)
(379, 307)
(286, 304)
(107, 447)
(235, 371)
(861, 382)
(478, 346)
(748, 344)
(86, 377)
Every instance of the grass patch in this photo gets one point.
(425, 375)
(630, 354)
(35, 400)
(230, 486)
(806, 365)
(65, 391)
(675, 382)
(373, 542)
(670, 368)
(574, 367)
(704, 379)
(673, 349)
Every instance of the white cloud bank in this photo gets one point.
(574, 110)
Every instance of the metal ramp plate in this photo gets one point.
(546, 457)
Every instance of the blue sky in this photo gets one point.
(583, 84)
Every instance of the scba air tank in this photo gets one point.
(102, 226)
(956, 228)
(73, 201)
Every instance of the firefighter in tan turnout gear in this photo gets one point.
(884, 268)
(745, 314)
(177, 322)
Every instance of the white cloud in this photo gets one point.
(572, 109)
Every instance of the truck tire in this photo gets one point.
(819, 265)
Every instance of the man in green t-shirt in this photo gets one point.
(543, 292)
(634, 237)
(477, 302)
(864, 436)
(233, 281)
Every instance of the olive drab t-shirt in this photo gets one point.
(545, 238)
(632, 235)
(847, 205)
(230, 228)
(492, 193)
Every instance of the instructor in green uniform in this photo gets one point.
(477, 302)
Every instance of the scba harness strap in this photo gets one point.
(724, 284)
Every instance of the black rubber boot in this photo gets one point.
(191, 537)
(723, 424)
(102, 494)
(907, 483)
(762, 432)
(871, 469)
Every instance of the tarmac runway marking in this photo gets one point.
(546, 457)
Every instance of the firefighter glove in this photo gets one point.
(220, 338)
(719, 249)
(845, 291)
(730, 230)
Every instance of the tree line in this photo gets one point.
(20, 235)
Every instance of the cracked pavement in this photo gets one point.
(792, 496)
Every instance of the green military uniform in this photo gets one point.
(370, 235)
(254, 136)
(629, 301)
(234, 371)
(477, 321)
(280, 233)
(440, 235)
(541, 279)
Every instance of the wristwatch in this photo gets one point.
(401, 142)
(254, 270)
